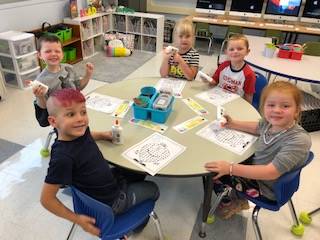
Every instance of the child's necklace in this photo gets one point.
(266, 132)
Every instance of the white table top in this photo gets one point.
(199, 150)
(307, 69)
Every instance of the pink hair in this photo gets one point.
(66, 96)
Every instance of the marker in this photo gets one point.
(141, 163)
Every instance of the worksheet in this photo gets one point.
(154, 153)
(217, 96)
(235, 141)
(173, 85)
(102, 103)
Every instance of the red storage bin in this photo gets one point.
(296, 55)
(291, 51)
(284, 53)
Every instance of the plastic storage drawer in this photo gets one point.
(24, 46)
(10, 78)
(29, 76)
(4, 47)
(7, 63)
(27, 63)
(19, 80)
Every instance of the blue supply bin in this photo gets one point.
(155, 115)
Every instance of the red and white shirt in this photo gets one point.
(237, 81)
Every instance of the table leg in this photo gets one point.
(208, 188)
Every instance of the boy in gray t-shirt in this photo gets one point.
(56, 75)
(282, 146)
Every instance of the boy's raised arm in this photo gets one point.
(50, 201)
(88, 75)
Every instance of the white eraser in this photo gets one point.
(171, 49)
(205, 76)
(35, 84)
(220, 114)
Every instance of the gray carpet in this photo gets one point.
(7, 149)
(113, 69)
(233, 228)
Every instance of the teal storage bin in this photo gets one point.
(149, 113)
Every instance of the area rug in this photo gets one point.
(233, 228)
(113, 69)
(7, 149)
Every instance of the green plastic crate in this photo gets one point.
(67, 34)
(70, 53)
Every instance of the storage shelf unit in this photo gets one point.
(147, 28)
(18, 58)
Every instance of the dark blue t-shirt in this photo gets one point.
(81, 164)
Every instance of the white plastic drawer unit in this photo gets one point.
(24, 63)
(22, 43)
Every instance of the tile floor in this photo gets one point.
(21, 178)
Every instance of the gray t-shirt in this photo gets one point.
(286, 151)
(65, 78)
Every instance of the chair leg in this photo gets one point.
(210, 44)
(297, 229)
(218, 200)
(293, 212)
(72, 231)
(45, 150)
(156, 220)
(255, 224)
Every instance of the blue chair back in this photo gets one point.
(111, 226)
(289, 182)
(261, 82)
(83, 204)
(284, 188)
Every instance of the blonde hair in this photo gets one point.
(183, 27)
(236, 37)
(286, 88)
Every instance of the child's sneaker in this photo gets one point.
(236, 206)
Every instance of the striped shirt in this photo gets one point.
(191, 57)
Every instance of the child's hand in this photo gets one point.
(220, 167)
(89, 68)
(39, 91)
(107, 135)
(177, 58)
(87, 224)
(227, 123)
(166, 54)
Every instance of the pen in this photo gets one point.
(139, 162)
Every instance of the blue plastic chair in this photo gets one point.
(113, 226)
(261, 82)
(284, 188)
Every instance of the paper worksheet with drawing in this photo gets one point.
(235, 141)
(171, 84)
(102, 103)
(217, 96)
(154, 153)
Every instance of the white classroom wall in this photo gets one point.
(29, 15)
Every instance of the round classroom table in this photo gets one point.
(307, 69)
(198, 150)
